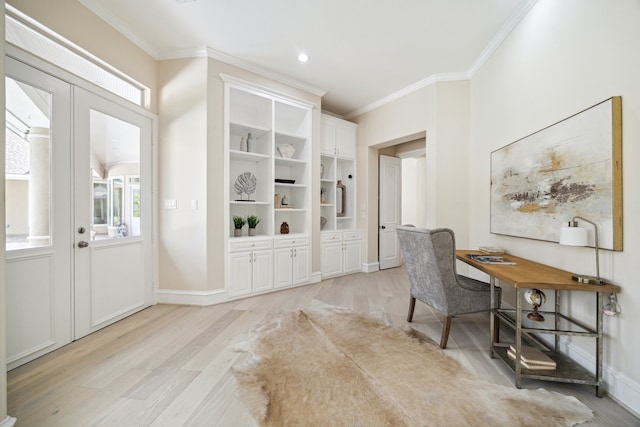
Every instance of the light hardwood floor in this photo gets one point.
(169, 365)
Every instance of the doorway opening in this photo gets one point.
(401, 192)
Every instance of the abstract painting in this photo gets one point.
(573, 167)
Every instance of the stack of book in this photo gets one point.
(491, 250)
(533, 358)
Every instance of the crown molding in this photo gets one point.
(493, 45)
(501, 35)
(114, 22)
(264, 72)
(449, 77)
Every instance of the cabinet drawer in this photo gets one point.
(352, 235)
(331, 237)
(291, 241)
(248, 245)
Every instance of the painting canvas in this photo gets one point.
(573, 167)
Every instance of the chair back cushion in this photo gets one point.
(429, 257)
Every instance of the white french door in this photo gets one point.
(38, 213)
(113, 206)
(390, 182)
(79, 212)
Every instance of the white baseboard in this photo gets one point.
(619, 387)
(200, 298)
(370, 267)
(316, 277)
(622, 389)
(8, 422)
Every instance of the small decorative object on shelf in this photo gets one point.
(341, 199)
(536, 298)
(252, 222)
(286, 150)
(245, 183)
(321, 171)
(250, 147)
(284, 228)
(285, 201)
(243, 144)
(238, 223)
(277, 201)
(323, 191)
(323, 222)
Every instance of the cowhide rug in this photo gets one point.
(327, 366)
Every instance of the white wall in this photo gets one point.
(17, 206)
(566, 56)
(414, 192)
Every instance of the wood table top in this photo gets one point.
(530, 274)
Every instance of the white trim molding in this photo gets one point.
(199, 298)
(370, 267)
(486, 53)
(8, 422)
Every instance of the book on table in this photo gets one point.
(490, 259)
(491, 250)
(532, 358)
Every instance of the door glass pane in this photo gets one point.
(115, 177)
(28, 166)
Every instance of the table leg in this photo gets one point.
(518, 370)
(556, 296)
(599, 389)
(492, 317)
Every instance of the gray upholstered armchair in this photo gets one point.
(430, 260)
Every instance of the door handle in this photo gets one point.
(83, 244)
(383, 227)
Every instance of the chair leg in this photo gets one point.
(412, 306)
(445, 332)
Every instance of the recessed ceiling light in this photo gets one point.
(303, 57)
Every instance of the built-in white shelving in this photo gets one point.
(273, 121)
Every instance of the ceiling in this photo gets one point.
(362, 52)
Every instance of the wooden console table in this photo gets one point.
(526, 274)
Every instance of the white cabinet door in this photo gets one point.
(262, 270)
(328, 140)
(240, 273)
(283, 267)
(331, 258)
(301, 265)
(346, 141)
(352, 256)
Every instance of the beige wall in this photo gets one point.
(183, 174)
(78, 24)
(191, 160)
(564, 57)
(442, 111)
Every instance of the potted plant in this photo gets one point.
(252, 221)
(238, 223)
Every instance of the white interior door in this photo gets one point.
(38, 213)
(389, 211)
(113, 212)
